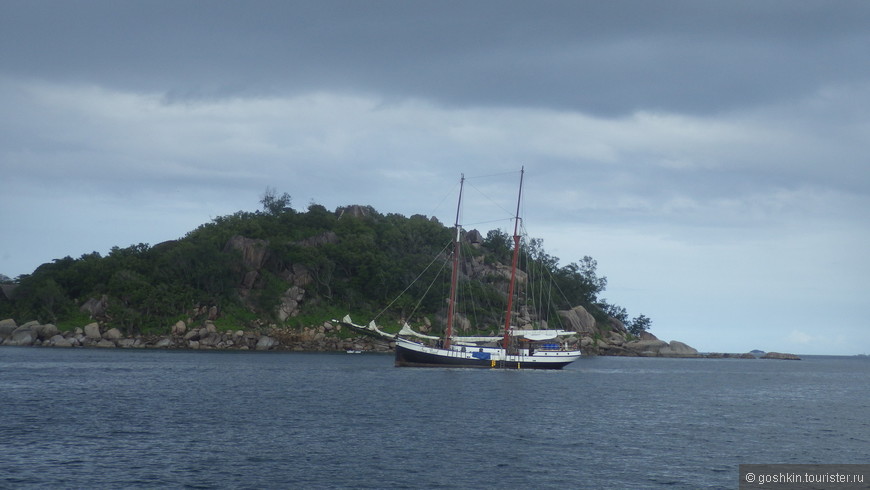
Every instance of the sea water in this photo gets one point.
(93, 418)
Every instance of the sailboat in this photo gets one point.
(515, 349)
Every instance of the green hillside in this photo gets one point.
(280, 266)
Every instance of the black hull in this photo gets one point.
(411, 358)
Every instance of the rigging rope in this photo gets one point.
(414, 281)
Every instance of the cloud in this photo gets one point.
(646, 170)
(613, 59)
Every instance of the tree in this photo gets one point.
(273, 204)
(614, 311)
(639, 325)
(580, 284)
(499, 245)
(535, 247)
(588, 272)
(41, 298)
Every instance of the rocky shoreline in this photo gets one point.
(325, 338)
(206, 337)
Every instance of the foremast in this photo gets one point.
(507, 317)
(455, 274)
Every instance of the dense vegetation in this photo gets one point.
(357, 262)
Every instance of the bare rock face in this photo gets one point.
(579, 320)
(299, 275)
(289, 305)
(504, 273)
(96, 308)
(317, 240)
(614, 338)
(253, 251)
(249, 279)
(112, 334)
(354, 210)
(474, 237)
(617, 326)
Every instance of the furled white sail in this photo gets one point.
(407, 330)
(371, 327)
(541, 334)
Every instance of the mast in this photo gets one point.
(453, 278)
(510, 298)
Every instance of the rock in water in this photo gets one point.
(680, 349)
(92, 331)
(660, 348)
(7, 326)
(266, 343)
(22, 335)
(45, 332)
(60, 341)
(780, 355)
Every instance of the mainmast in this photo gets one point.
(451, 304)
(510, 298)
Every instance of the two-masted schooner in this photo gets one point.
(515, 349)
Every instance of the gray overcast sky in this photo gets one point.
(712, 156)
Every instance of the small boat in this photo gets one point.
(514, 349)
(352, 351)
